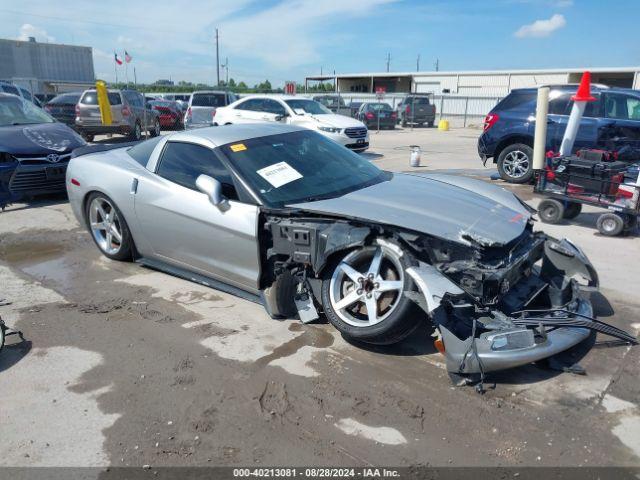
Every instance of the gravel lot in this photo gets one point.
(127, 366)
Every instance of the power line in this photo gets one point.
(91, 22)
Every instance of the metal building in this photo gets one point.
(496, 83)
(46, 68)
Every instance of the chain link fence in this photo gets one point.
(461, 111)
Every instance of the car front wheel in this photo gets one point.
(363, 294)
(515, 163)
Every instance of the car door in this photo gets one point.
(273, 111)
(620, 130)
(589, 132)
(183, 228)
(249, 111)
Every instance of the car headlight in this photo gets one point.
(330, 129)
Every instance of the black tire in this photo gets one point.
(403, 316)
(127, 247)
(610, 224)
(515, 163)
(155, 131)
(430, 124)
(550, 210)
(136, 132)
(403, 122)
(87, 137)
(572, 210)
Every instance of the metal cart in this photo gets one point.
(566, 194)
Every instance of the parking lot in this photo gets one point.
(128, 366)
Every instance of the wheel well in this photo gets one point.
(505, 142)
(86, 220)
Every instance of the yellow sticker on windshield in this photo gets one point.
(238, 147)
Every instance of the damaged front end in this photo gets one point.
(506, 306)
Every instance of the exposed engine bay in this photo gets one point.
(493, 307)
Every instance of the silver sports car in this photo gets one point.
(284, 216)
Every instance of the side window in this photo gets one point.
(593, 108)
(183, 163)
(253, 104)
(273, 106)
(10, 89)
(560, 105)
(622, 107)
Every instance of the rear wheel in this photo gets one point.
(363, 294)
(515, 163)
(610, 224)
(155, 131)
(88, 137)
(108, 228)
(572, 210)
(136, 133)
(430, 124)
(550, 210)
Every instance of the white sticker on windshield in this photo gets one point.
(279, 174)
(299, 111)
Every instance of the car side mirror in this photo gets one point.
(281, 117)
(212, 188)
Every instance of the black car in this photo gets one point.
(35, 150)
(377, 114)
(63, 107)
(611, 122)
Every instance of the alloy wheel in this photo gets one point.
(516, 164)
(106, 226)
(367, 286)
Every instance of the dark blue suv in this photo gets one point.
(612, 122)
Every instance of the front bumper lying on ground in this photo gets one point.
(556, 317)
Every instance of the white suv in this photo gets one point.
(346, 131)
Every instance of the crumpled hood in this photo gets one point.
(42, 138)
(338, 121)
(464, 210)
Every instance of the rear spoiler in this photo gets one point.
(78, 152)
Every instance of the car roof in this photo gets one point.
(223, 134)
(205, 91)
(574, 86)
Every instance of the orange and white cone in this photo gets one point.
(580, 100)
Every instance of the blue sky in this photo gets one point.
(288, 39)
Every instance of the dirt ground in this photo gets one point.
(123, 365)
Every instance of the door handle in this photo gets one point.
(134, 186)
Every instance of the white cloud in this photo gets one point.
(542, 28)
(27, 30)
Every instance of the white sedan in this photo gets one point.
(303, 112)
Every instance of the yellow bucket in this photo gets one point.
(443, 125)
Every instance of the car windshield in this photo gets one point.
(16, 111)
(91, 98)
(380, 106)
(307, 106)
(300, 166)
(66, 99)
(419, 101)
(208, 100)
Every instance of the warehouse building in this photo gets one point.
(46, 68)
(465, 97)
(473, 83)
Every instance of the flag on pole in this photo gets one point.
(117, 58)
(127, 57)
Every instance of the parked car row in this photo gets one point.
(344, 130)
(611, 122)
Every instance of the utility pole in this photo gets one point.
(388, 60)
(226, 69)
(321, 70)
(418, 63)
(437, 64)
(217, 61)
